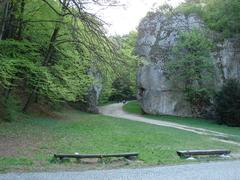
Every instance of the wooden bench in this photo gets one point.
(190, 153)
(82, 156)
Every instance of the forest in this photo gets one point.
(49, 50)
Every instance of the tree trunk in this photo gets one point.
(47, 59)
(53, 39)
(14, 16)
(29, 100)
(20, 28)
(51, 46)
(4, 18)
(8, 91)
(46, 62)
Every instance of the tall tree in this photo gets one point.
(87, 33)
(4, 16)
(47, 48)
(191, 69)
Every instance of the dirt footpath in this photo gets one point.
(116, 110)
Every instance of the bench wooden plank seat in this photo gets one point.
(81, 156)
(189, 153)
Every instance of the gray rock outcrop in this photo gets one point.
(227, 60)
(90, 103)
(94, 91)
(157, 35)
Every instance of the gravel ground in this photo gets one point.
(228, 170)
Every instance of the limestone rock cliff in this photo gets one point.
(90, 103)
(94, 91)
(157, 35)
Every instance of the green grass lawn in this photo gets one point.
(134, 107)
(29, 144)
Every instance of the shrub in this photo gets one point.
(122, 90)
(10, 108)
(227, 103)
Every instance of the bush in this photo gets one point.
(122, 90)
(227, 103)
(11, 109)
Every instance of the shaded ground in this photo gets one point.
(206, 171)
(12, 145)
(116, 110)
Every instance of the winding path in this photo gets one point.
(115, 110)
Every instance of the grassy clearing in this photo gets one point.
(28, 145)
(134, 107)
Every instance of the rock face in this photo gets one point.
(91, 99)
(94, 91)
(157, 36)
(227, 60)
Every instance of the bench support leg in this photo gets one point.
(131, 158)
(78, 160)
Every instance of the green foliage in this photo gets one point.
(122, 89)
(164, 9)
(19, 50)
(11, 108)
(106, 91)
(124, 85)
(7, 72)
(227, 103)
(15, 57)
(191, 69)
(191, 8)
(61, 82)
(45, 53)
(223, 16)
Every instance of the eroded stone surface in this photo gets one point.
(91, 99)
(157, 35)
(94, 91)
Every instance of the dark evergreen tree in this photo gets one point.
(227, 103)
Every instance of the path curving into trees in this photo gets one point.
(116, 110)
